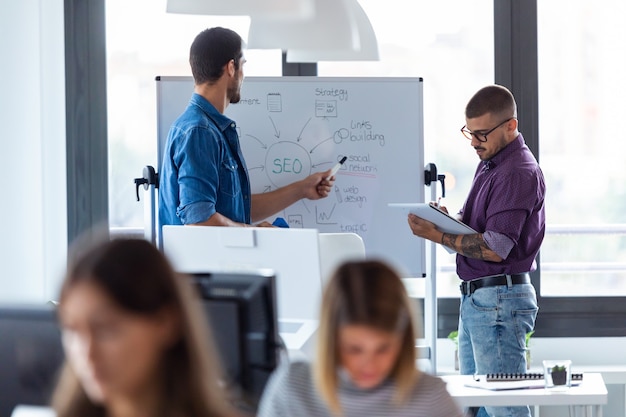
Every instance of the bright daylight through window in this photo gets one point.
(440, 42)
(581, 105)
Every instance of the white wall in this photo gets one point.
(33, 231)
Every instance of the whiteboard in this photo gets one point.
(290, 127)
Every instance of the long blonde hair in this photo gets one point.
(140, 280)
(368, 293)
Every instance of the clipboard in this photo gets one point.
(440, 218)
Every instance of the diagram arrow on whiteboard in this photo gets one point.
(321, 163)
(303, 127)
(261, 167)
(325, 140)
(305, 206)
(276, 131)
(264, 146)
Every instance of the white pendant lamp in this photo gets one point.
(331, 26)
(276, 9)
(367, 43)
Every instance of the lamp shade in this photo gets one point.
(275, 9)
(332, 26)
(368, 44)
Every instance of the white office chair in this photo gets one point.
(336, 248)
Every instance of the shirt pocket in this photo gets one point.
(229, 179)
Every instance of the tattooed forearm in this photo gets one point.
(472, 246)
(448, 239)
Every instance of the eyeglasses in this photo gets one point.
(480, 136)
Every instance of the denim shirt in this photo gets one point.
(203, 170)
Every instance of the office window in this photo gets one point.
(441, 43)
(143, 42)
(581, 106)
(450, 45)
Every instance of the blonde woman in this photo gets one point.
(135, 341)
(366, 360)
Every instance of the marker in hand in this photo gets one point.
(336, 168)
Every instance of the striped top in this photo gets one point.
(291, 392)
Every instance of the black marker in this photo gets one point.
(336, 168)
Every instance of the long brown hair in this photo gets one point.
(368, 293)
(140, 280)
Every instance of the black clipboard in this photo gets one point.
(440, 218)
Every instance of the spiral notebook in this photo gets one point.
(498, 382)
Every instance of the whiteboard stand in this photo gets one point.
(150, 182)
(430, 296)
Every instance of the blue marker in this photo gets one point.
(280, 222)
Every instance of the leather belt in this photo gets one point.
(468, 287)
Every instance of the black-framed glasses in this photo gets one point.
(480, 136)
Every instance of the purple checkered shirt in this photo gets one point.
(506, 204)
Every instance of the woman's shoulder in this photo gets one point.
(430, 384)
(291, 379)
(431, 380)
(291, 391)
(430, 392)
(297, 372)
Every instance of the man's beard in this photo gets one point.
(234, 93)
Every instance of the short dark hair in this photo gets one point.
(211, 50)
(494, 99)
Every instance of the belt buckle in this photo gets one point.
(465, 287)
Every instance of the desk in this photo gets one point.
(587, 397)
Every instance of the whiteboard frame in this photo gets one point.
(414, 267)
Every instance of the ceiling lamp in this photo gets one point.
(331, 26)
(276, 9)
(367, 43)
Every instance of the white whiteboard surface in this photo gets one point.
(290, 127)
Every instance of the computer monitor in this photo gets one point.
(241, 308)
(293, 254)
(31, 355)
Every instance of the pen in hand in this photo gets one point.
(336, 168)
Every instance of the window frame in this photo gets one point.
(86, 117)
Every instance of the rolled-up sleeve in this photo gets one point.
(198, 161)
(498, 243)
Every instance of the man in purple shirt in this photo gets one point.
(506, 207)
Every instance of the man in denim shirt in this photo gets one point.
(203, 179)
(506, 206)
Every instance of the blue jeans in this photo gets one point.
(493, 323)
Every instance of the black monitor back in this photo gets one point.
(241, 308)
(30, 355)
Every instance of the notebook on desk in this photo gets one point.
(498, 382)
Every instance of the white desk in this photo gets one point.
(587, 397)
